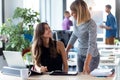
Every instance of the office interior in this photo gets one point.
(52, 12)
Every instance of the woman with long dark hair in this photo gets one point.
(48, 55)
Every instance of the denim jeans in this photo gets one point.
(93, 64)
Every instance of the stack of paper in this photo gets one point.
(101, 72)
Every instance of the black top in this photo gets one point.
(51, 63)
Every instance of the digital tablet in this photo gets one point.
(72, 73)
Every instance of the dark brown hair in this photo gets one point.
(108, 6)
(38, 43)
(67, 12)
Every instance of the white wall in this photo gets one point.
(10, 6)
(99, 5)
(43, 11)
(33, 4)
(51, 11)
(0, 12)
(68, 4)
(48, 12)
(56, 14)
(99, 14)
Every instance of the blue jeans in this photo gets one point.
(93, 64)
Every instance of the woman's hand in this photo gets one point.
(66, 52)
(69, 46)
(86, 69)
(101, 26)
(43, 69)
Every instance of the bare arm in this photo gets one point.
(69, 46)
(71, 42)
(86, 68)
(61, 48)
(105, 27)
(41, 68)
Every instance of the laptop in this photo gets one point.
(14, 59)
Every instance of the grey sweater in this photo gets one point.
(86, 34)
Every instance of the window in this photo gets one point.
(33, 4)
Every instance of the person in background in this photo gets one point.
(67, 23)
(48, 55)
(110, 26)
(85, 30)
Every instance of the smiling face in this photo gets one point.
(107, 10)
(47, 32)
(79, 11)
(73, 13)
(42, 31)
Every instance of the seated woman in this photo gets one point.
(48, 55)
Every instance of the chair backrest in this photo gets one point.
(62, 35)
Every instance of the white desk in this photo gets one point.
(115, 64)
(103, 46)
(49, 77)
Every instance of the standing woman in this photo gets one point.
(48, 55)
(84, 29)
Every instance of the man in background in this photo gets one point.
(66, 22)
(110, 26)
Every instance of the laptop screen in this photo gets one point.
(14, 59)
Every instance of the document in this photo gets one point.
(101, 72)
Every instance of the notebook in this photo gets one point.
(70, 73)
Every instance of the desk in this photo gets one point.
(51, 77)
(103, 46)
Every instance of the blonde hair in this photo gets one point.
(81, 10)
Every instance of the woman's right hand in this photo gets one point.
(66, 51)
(44, 69)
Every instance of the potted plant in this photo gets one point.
(20, 34)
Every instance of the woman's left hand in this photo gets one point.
(86, 69)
